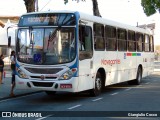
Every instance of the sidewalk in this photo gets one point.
(5, 88)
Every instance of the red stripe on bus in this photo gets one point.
(129, 54)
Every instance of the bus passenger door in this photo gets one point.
(85, 58)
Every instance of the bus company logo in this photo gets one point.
(6, 114)
(110, 62)
(21, 115)
(42, 77)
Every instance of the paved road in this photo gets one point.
(117, 100)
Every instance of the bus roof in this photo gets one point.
(96, 19)
(91, 18)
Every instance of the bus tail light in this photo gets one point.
(68, 74)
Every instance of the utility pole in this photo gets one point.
(36, 6)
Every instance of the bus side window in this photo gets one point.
(85, 42)
(146, 43)
(99, 43)
(122, 39)
(110, 34)
(81, 38)
(131, 41)
(139, 40)
(151, 44)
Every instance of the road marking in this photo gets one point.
(114, 93)
(147, 83)
(122, 87)
(44, 117)
(128, 89)
(74, 107)
(97, 99)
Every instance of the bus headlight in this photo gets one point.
(68, 74)
(21, 74)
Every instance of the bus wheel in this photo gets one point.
(98, 85)
(50, 93)
(138, 78)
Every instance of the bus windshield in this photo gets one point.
(46, 45)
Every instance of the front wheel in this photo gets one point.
(98, 85)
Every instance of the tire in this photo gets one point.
(50, 93)
(98, 85)
(138, 79)
(139, 76)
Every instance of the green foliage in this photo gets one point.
(65, 1)
(150, 6)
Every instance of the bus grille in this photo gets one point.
(44, 70)
(39, 77)
(43, 84)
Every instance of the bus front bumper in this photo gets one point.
(48, 85)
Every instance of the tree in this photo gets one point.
(150, 7)
(30, 5)
(95, 7)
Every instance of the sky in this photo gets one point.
(124, 11)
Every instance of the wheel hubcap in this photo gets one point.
(98, 83)
(139, 77)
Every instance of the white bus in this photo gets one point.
(73, 52)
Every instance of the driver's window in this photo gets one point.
(85, 42)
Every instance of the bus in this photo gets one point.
(73, 52)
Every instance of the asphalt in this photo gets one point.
(5, 88)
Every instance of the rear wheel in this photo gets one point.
(139, 76)
(98, 85)
(138, 79)
(50, 93)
